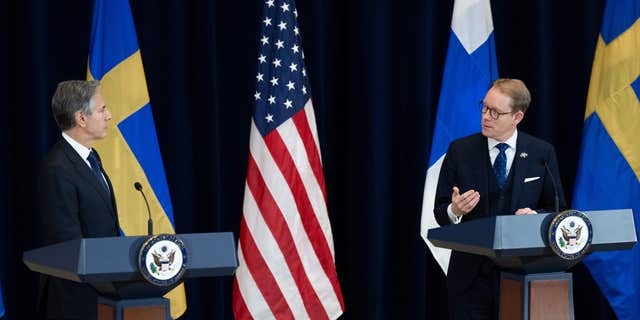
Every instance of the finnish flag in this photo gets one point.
(470, 67)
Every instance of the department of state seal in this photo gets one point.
(570, 234)
(162, 259)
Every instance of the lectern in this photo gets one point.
(110, 265)
(535, 283)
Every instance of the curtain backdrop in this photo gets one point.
(375, 68)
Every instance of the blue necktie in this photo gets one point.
(500, 165)
(97, 169)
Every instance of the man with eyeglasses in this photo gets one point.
(499, 171)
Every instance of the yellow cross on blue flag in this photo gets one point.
(609, 171)
(130, 153)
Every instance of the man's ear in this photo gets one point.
(80, 119)
(518, 116)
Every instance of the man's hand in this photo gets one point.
(525, 211)
(462, 204)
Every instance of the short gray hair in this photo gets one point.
(70, 97)
(516, 90)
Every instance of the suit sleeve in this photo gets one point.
(446, 181)
(59, 206)
(547, 200)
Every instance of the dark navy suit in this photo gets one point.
(467, 165)
(73, 204)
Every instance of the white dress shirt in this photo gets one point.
(82, 151)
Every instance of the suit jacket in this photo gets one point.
(73, 205)
(467, 165)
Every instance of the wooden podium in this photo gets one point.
(134, 309)
(534, 284)
(110, 265)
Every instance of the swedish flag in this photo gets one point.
(609, 171)
(131, 152)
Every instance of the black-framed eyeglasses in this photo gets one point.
(493, 113)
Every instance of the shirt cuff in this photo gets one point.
(452, 217)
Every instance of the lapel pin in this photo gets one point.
(523, 155)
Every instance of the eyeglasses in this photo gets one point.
(493, 113)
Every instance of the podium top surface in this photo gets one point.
(526, 235)
(112, 259)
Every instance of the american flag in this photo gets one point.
(285, 252)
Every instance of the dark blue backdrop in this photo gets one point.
(375, 67)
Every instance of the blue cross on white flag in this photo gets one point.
(470, 67)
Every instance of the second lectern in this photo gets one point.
(535, 251)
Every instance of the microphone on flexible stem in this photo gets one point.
(555, 187)
(138, 187)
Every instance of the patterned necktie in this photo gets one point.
(97, 169)
(500, 165)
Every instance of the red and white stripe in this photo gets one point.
(285, 252)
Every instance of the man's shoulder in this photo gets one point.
(533, 141)
(472, 139)
(466, 146)
(58, 155)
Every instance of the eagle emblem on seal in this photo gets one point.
(571, 237)
(163, 261)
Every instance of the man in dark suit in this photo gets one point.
(499, 171)
(76, 196)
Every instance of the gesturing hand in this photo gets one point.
(462, 204)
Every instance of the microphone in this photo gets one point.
(138, 187)
(555, 187)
